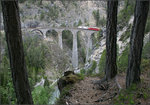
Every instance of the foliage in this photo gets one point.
(126, 34)
(64, 93)
(35, 54)
(145, 64)
(42, 16)
(7, 94)
(63, 25)
(82, 71)
(122, 61)
(102, 62)
(67, 38)
(79, 23)
(97, 17)
(146, 51)
(102, 21)
(92, 68)
(52, 33)
(147, 28)
(129, 96)
(41, 95)
(125, 14)
(53, 12)
(82, 54)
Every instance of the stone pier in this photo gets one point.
(75, 50)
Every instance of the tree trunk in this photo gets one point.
(136, 42)
(16, 54)
(111, 37)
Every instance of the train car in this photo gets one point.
(89, 28)
(94, 28)
(83, 27)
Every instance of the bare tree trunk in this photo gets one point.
(111, 37)
(16, 54)
(136, 42)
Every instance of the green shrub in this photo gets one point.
(35, 52)
(67, 38)
(63, 94)
(82, 54)
(7, 93)
(126, 34)
(53, 12)
(82, 71)
(79, 23)
(146, 51)
(102, 62)
(41, 95)
(93, 67)
(35, 56)
(131, 95)
(42, 15)
(97, 17)
(125, 14)
(102, 21)
(145, 65)
(122, 61)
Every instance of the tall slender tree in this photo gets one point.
(111, 37)
(136, 42)
(13, 33)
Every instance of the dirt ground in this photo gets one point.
(86, 92)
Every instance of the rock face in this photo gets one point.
(69, 78)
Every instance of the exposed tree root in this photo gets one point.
(101, 99)
(99, 81)
(105, 85)
(117, 83)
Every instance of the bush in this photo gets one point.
(79, 23)
(53, 12)
(131, 95)
(93, 67)
(125, 14)
(35, 54)
(67, 38)
(41, 95)
(122, 61)
(145, 64)
(97, 17)
(126, 34)
(146, 51)
(7, 93)
(102, 62)
(42, 16)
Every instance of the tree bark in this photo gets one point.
(16, 54)
(136, 42)
(111, 37)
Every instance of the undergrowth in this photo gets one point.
(132, 95)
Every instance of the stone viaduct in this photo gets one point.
(74, 31)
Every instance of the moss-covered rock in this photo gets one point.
(69, 78)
